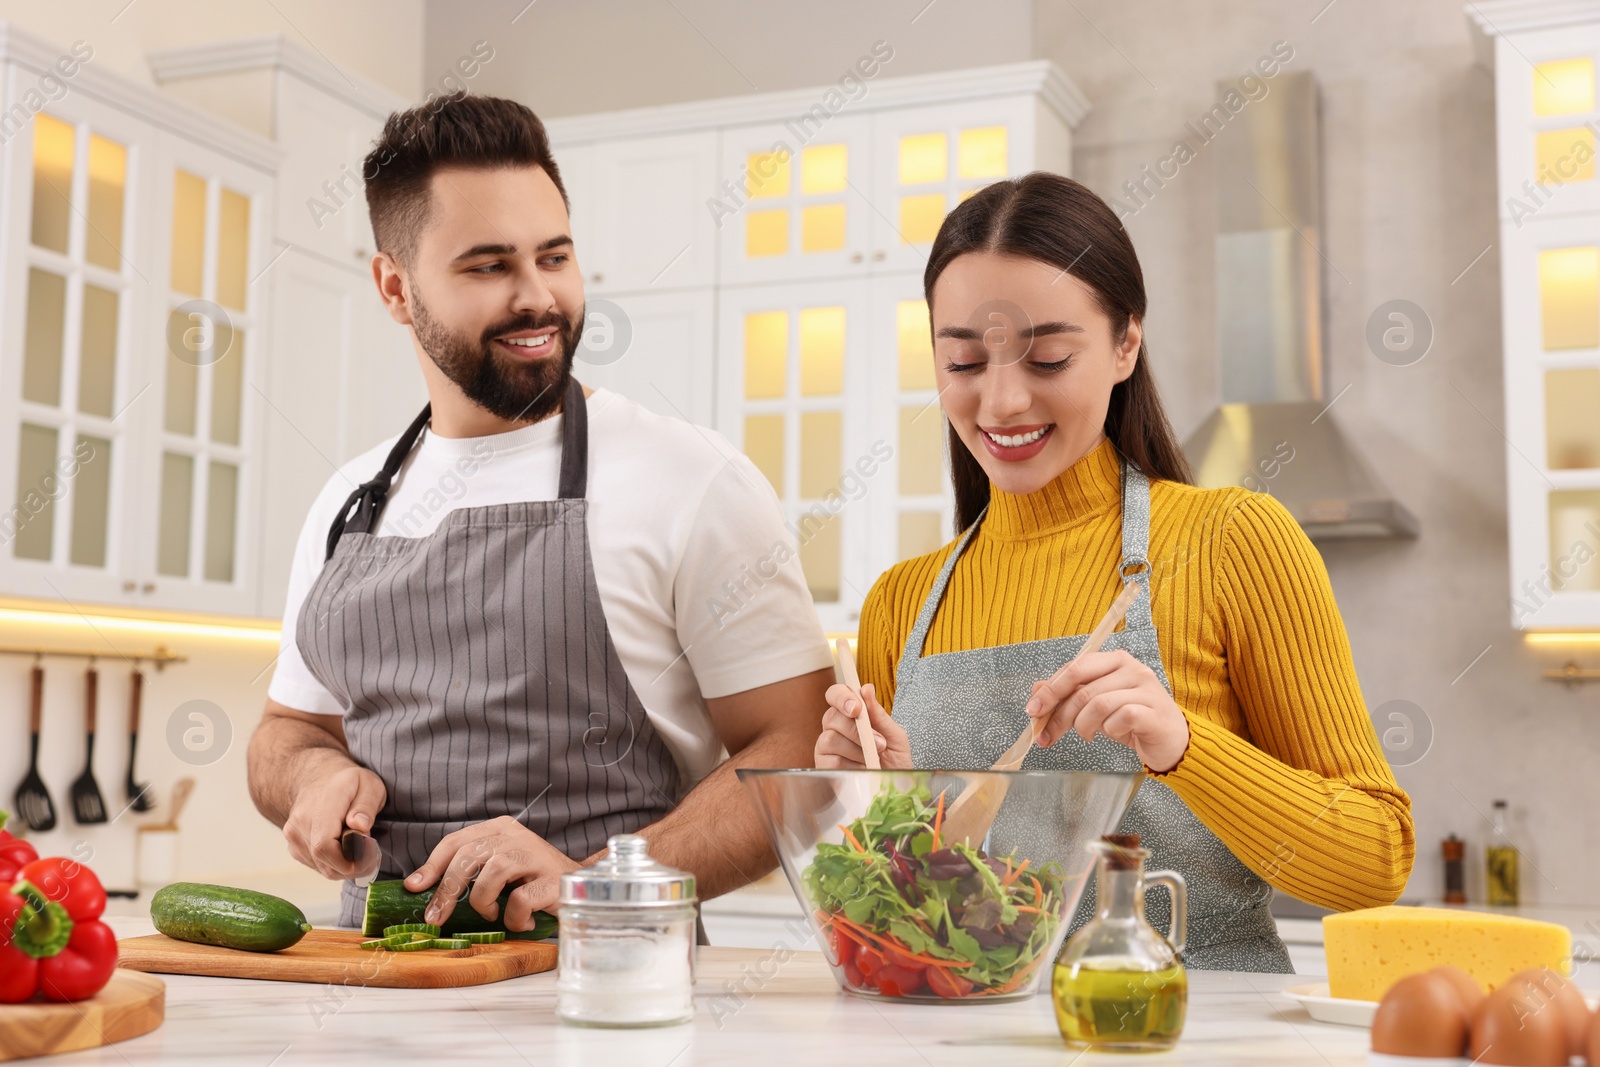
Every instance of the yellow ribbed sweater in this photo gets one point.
(1283, 763)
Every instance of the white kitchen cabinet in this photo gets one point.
(1545, 59)
(821, 213)
(655, 349)
(132, 227)
(648, 223)
(321, 201)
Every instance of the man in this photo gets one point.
(498, 650)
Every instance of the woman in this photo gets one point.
(1231, 682)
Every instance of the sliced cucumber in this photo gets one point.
(416, 946)
(411, 928)
(486, 937)
(451, 942)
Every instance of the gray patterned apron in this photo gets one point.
(963, 709)
(477, 672)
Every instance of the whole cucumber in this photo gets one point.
(227, 917)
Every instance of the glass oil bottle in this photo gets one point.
(1118, 984)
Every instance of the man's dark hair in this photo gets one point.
(457, 130)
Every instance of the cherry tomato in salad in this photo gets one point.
(841, 949)
(870, 961)
(899, 982)
(852, 975)
(895, 958)
(942, 983)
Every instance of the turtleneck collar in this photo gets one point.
(1088, 487)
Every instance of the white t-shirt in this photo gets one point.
(682, 530)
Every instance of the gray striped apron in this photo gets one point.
(477, 672)
(963, 709)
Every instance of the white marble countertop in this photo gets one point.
(793, 1013)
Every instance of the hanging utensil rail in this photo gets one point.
(161, 655)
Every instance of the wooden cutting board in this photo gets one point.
(129, 1005)
(336, 956)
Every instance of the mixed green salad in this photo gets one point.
(907, 914)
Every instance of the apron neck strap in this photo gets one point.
(574, 483)
(1135, 545)
(369, 497)
(930, 606)
(1135, 563)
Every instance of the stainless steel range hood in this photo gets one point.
(1273, 431)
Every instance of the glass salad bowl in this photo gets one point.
(917, 894)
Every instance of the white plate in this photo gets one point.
(1344, 1012)
(1338, 1010)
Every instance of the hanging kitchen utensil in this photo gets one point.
(973, 812)
(88, 807)
(138, 795)
(32, 799)
(847, 674)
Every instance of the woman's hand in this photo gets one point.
(1114, 694)
(839, 747)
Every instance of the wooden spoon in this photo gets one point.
(847, 674)
(974, 811)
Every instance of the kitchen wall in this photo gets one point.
(379, 39)
(1410, 214)
(602, 55)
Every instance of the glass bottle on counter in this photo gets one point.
(627, 941)
(1501, 856)
(1118, 984)
(1454, 851)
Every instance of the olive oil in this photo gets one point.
(1109, 1003)
(1500, 859)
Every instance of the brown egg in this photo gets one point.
(1517, 1027)
(1466, 987)
(1542, 987)
(1421, 1015)
(1594, 1039)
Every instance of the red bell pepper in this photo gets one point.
(15, 853)
(52, 942)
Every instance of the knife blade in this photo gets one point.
(362, 851)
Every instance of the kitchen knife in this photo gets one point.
(360, 849)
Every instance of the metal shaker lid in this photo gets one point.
(627, 876)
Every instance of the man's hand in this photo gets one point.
(497, 853)
(351, 796)
(1117, 695)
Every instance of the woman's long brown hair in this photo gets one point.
(1058, 221)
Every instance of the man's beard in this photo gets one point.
(508, 388)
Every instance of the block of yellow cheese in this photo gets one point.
(1370, 950)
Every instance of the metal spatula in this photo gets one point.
(138, 795)
(32, 799)
(974, 811)
(87, 805)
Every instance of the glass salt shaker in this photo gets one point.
(1119, 985)
(627, 941)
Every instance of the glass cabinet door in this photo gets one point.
(792, 394)
(75, 301)
(915, 507)
(205, 402)
(793, 199)
(928, 160)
